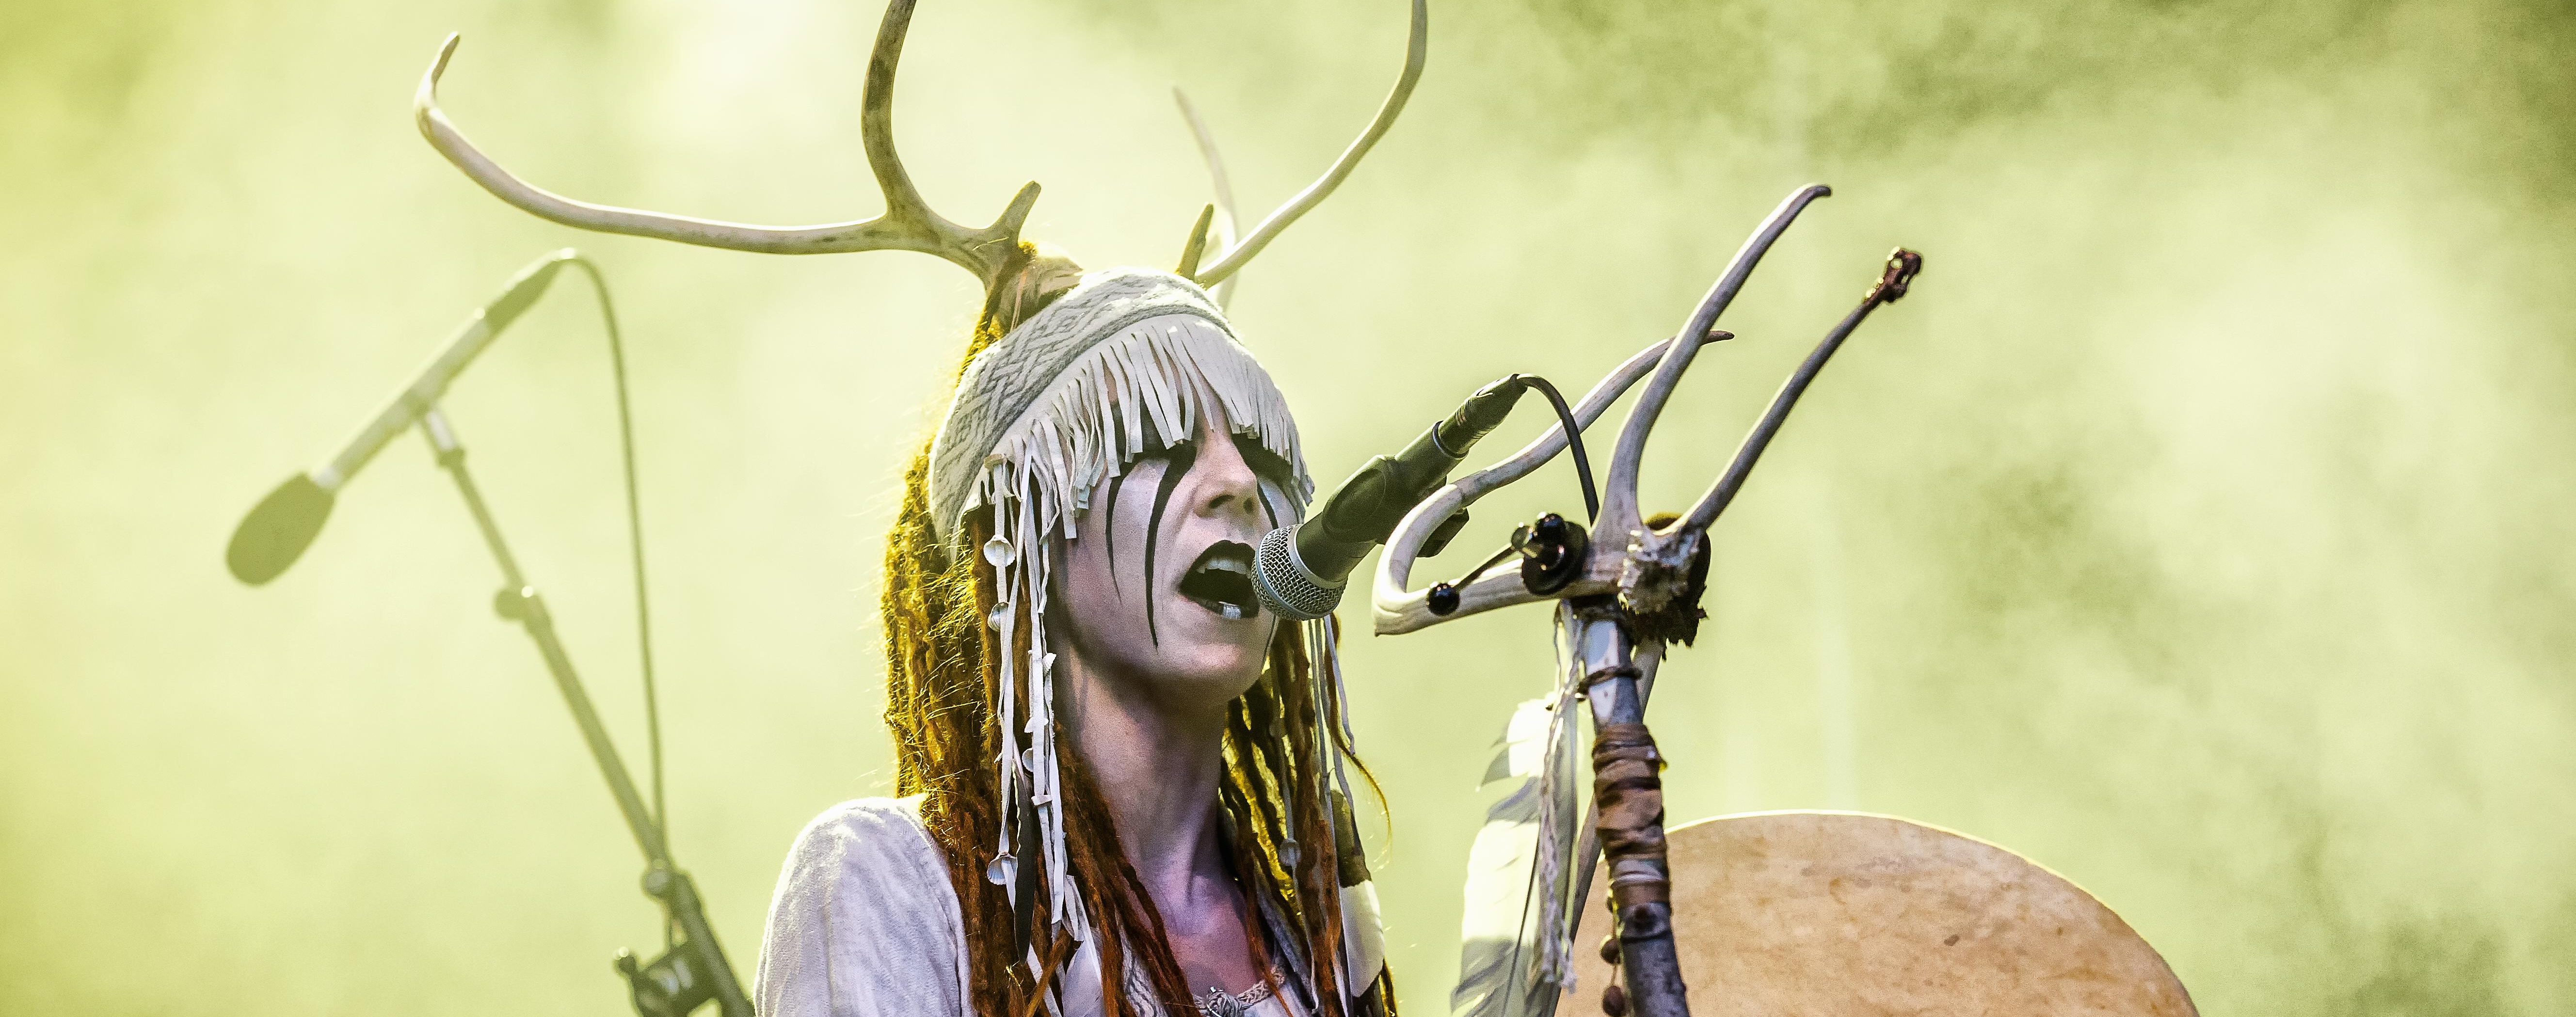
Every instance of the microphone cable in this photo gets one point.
(1573, 442)
(1582, 472)
(635, 549)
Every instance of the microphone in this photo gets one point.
(1300, 570)
(282, 525)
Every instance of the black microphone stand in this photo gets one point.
(692, 969)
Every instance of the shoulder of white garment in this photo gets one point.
(864, 922)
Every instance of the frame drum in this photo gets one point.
(1842, 913)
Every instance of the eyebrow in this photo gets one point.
(1109, 525)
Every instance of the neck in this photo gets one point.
(1156, 754)
(1157, 765)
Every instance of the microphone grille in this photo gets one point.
(1284, 585)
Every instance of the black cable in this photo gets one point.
(635, 542)
(1497, 559)
(1573, 441)
(1582, 472)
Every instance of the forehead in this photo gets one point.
(1209, 418)
(1279, 473)
(1181, 377)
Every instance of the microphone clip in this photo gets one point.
(1552, 552)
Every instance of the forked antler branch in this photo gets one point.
(907, 225)
(1224, 221)
(1620, 537)
(1416, 46)
(1619, 504)
(1892, 283)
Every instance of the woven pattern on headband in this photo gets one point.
(1173, 350)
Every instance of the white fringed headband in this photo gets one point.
(1060, 404)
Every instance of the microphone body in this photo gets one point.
(277, 531)
(406, 406)
(1299, 571)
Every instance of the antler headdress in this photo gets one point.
(992, 253)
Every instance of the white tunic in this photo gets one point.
(865, 924)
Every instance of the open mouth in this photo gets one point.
(1221, 581)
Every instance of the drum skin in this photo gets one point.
(1842, 913)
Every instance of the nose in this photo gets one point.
(1223, 484)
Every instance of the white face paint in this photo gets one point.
(1156, 585)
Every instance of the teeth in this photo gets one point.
(1222, 580)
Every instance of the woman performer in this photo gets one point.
(1191, 766)
(1124, 782)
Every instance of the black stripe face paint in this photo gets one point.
(1177, 460)
(1109, 526)
(1274, 473)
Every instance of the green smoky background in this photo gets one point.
(2197, 529)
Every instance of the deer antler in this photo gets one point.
(1619, 514)
(1234, 258)
(907, 225)
(1224, 215)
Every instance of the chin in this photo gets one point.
(1215, 653)
(1212, 658)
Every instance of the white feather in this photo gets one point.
(1516, 946)
(1506, 928)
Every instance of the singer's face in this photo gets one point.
(1156, 584)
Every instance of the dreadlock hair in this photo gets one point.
(942, 686)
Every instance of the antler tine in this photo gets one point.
(908, 224)
(1224, 291)
(1619, 513)
(1197, 245)
(1893, 281)
(985, 252)
(1315, 193)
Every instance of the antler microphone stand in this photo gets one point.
(1628, 589)
(692, 968)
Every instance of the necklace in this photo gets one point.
(1220, 1003)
